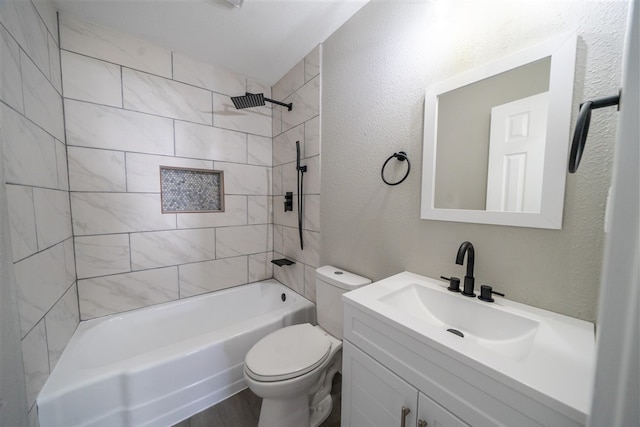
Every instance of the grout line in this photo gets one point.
(121, 87)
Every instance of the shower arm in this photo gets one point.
(273, 101)
(289, 105)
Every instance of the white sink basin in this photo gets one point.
(501, 331)
(543, 354)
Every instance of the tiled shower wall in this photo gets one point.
(301, 86)
(35, 164)
(131, 106)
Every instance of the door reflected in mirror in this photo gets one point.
(496, 139)
(493, 162)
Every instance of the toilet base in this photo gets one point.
(321, 412)
(291, 412)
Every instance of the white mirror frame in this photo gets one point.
(562, 50)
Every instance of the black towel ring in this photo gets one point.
(402, 156)
(582, 127)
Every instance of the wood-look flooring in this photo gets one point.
(243, 410)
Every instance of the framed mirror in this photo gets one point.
(496, 140)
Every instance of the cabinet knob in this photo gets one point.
(422, 423)
(403, 418)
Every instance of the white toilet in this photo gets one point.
(293, 367)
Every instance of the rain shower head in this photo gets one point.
(249, 100)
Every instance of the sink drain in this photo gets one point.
(456, 332)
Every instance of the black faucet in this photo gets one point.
(469, 281)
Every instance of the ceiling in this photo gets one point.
(262, 40)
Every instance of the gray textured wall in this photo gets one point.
(375, 72)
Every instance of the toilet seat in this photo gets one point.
(288, 353)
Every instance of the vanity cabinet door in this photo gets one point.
(435, 415)
(372, 395)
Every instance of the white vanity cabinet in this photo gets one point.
(373, 396)
(387, 366)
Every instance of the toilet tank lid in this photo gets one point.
(341, 278)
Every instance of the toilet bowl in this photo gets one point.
(292, 368)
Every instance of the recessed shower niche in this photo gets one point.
(185, 190)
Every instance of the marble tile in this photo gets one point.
(165, 248)
(312, 63)
(53, 216)
(306, 105)
(291, 246)
(21, 20)
(121, 292)
(33, 417)
(290, 177)
(22, 220)
(163, 97)
(211, 276)
(10, 77)
(312, 137)
(96, 126)
(289, 83)
(102, 255)
(278, 190)
(260, 210)
(250, 120)
(189, 70)
(245, 179)
(311, 211)
(312, 177)
(235, 213)
(276, 121)
(291, 276)
(47, 11)
(257, 87)
(42, 102)
(92, 80)
(277, 238)
(41, 281)
(62, 166)
(284, 145)
(55, 68)
(96, 170)
(89, 39)
(102, 213)
(61, 322)
(206, 142)
(29, 152)
(260, 266)
(143, 170)
(243, 240)
(310, 283)
(259, 151)
(36, 361)
(69, 261)
(290, 218)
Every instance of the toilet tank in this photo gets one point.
(331, 283)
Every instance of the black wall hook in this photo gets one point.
(582, 127)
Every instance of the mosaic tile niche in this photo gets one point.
(191, 190)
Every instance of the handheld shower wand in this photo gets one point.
(300, 173)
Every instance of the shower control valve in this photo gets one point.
(288, 201)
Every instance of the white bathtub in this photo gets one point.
(159, 365)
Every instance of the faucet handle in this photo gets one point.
(485, 293)
(454, 283)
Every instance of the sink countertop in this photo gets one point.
(558, 363)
